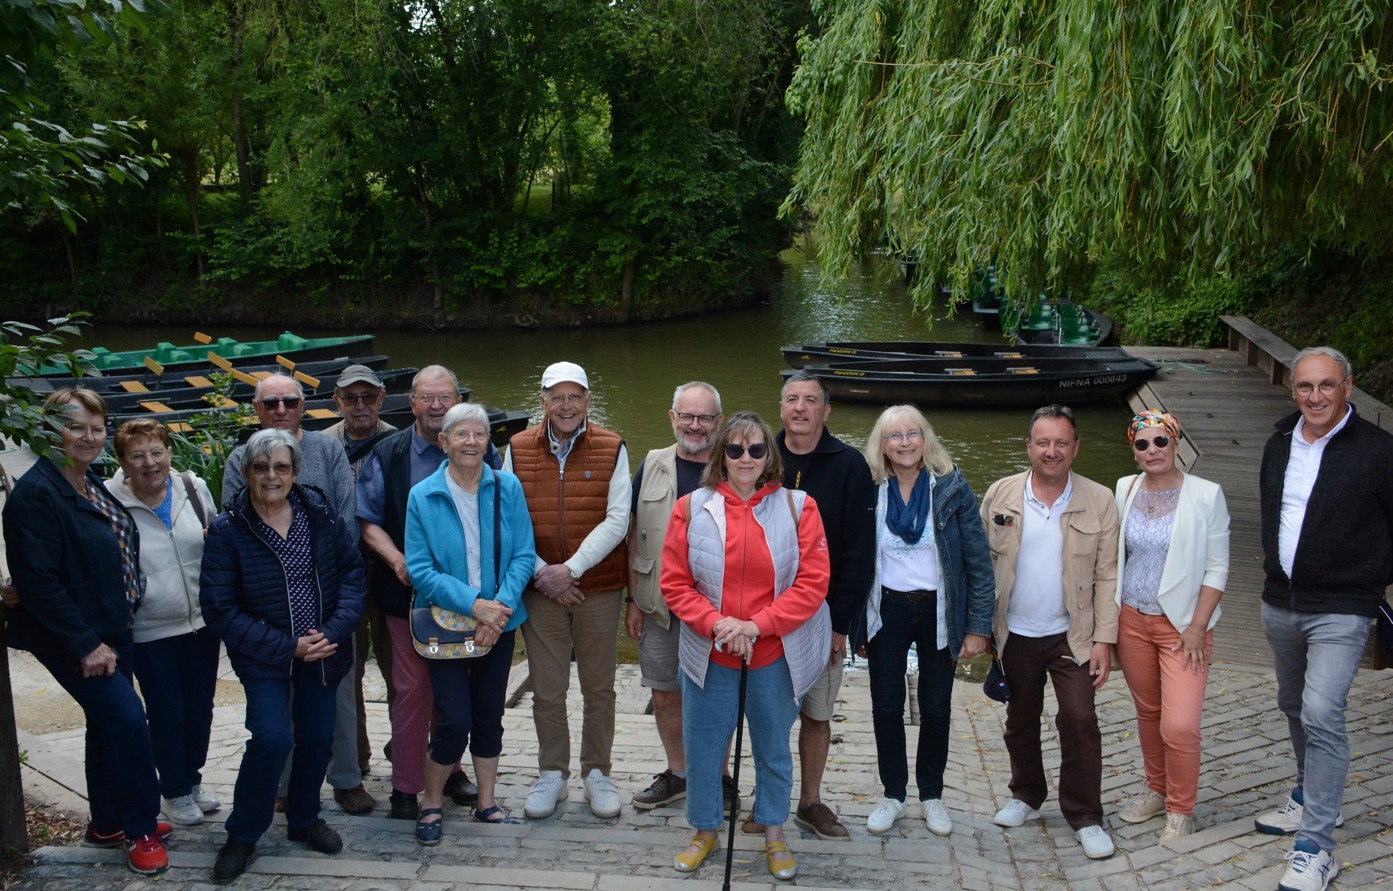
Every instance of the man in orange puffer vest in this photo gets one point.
(576, 478)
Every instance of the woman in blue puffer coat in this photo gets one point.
(282, 585)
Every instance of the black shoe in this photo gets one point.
(666, 788)
(233, 860)
(318, 836)
(404, 806)
(461, 791)
(730, 796)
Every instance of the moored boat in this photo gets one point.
(239, 353)
(995, 383)
(799, 355)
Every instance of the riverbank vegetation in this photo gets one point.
(378, 161)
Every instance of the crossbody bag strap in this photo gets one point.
(192, 492)
(497, 536)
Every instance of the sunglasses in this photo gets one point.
(1142, 445)
(274, 402)
(757, 450)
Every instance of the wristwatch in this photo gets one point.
(575, 576)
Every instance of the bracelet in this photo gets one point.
(628, 599)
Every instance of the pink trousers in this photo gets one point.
(413, 711)
(1170, 703)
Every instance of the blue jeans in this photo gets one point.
(1316, 656)
(285, 716)
(122, 789)
(907, 623)
(178, 676)
(470, 695)
(708, 720)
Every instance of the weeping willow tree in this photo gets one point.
(1181, 136)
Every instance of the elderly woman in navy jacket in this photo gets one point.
(75, 555)
(282, 585)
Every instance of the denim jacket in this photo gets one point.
(967, 584)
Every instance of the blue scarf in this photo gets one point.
(908, 520)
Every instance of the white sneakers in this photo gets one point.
(600, 792)
(1097, 844)
(1177, 826)
(1308, 872)
(883, 818)
(183, 811)
(1286, 819)
(206, 803)
(1142, 808)
(936, 816)
(1015, 813)
(546, 792)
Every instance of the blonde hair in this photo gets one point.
(935, 459)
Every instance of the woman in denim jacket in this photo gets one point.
(934, 590)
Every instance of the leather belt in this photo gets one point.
(909, 596)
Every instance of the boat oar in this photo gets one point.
(735, 771)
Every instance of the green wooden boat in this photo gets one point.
(195, 355)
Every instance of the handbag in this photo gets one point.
(995, 685)
(439, 633)
(1383, 634)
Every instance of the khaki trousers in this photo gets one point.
(552, 633)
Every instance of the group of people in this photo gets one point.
(753, 563)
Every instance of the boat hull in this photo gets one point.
(800, 355)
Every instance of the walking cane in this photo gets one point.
(735, 771)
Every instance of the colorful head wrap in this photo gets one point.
(1153, 418)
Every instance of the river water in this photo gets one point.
(634, 369)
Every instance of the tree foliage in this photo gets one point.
(599, 154)
(1182, 138)
(42, 161)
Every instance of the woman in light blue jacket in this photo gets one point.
(934, 588)
(1172, 565)
(457, 519)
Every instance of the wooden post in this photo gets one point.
(13, 832)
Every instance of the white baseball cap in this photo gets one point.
(561, 372)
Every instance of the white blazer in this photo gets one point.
(1199, 547)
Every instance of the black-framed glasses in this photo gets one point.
(272, 403)
(704, 420)
(360, 398)
(757, 450)
(1142, 445)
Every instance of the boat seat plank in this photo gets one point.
(197, 380)
(322, 413)
(157, 407)
(961, 371)
(134, 387)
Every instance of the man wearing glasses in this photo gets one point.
(1326, 489)
(575, 475)
(359, 394)
(280, 404)
(400, 461)
(664, 476)
(1053, 537)
(839, 480)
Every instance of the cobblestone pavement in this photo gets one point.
(1247, 769)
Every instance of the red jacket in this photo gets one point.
(749, 576)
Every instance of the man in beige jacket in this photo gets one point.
(1053, 537)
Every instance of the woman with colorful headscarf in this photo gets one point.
(1172, 564)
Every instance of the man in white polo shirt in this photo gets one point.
(1327, 540)
(1053, 537)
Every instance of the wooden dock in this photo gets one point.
(1227, 401)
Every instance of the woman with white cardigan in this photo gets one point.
(1172, 563)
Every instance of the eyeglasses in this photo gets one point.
(435, 398)
(1159, 442)
(273, 403)
(1326, 388)
(906, 436)
(80, 430)
(702, 420)
(360, 398)
(757, 450)
(567, 399)
(280, 468)
(459, 435)
(154, 456)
